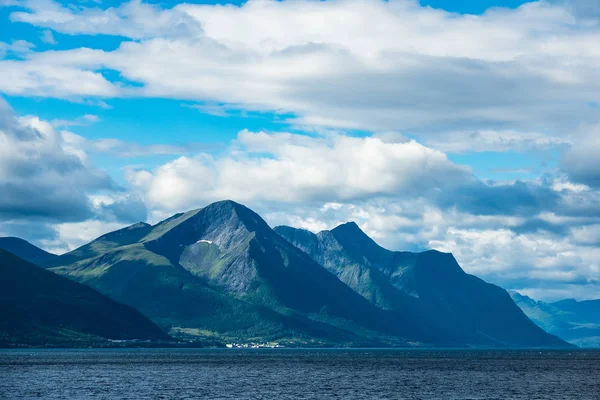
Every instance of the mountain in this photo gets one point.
(38, 307)
(222, 271)
(429, 284)
(577, 322)
(26, 250)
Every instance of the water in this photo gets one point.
(298, 374)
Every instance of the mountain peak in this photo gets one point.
(231, 209)
(351, 236)
(349, 227)
(223, 204)
(350, 231)
(221, 207)
(137, 225)
(226, 223)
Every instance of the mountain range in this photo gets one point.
(577, 322)
(221, 272)
(430, 283)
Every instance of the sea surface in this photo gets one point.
(299, 374)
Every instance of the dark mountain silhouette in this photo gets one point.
(38, 307)
(26, 250)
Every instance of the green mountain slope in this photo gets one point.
(431, 285)
(38, 307)
(103, 244)
(223, 271)
(26, 250)
(182, 302)
(577, 322)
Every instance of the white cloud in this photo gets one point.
(63, 81)
(587, 235)
(371, 65)
(561, 184)
(134, 19)
(298, 168)
(42, 172)
(17, 48)
(49, 188)
(71, 235)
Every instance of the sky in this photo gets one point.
(470, 127)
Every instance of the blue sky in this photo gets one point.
(466, 126)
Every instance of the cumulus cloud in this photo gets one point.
(348, 64)
(70, 235)
(61, 81)
(587, 235)
(298, 168)
(46, 178)
(337, 169)
(41, 174)
(540, 262)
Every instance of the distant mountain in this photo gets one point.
(222, 272)
(580, 312)
(40, 308)
(431, 284)
(577, 322)
(26, 250)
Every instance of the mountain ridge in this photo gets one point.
(431, 282)
(221, 272)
